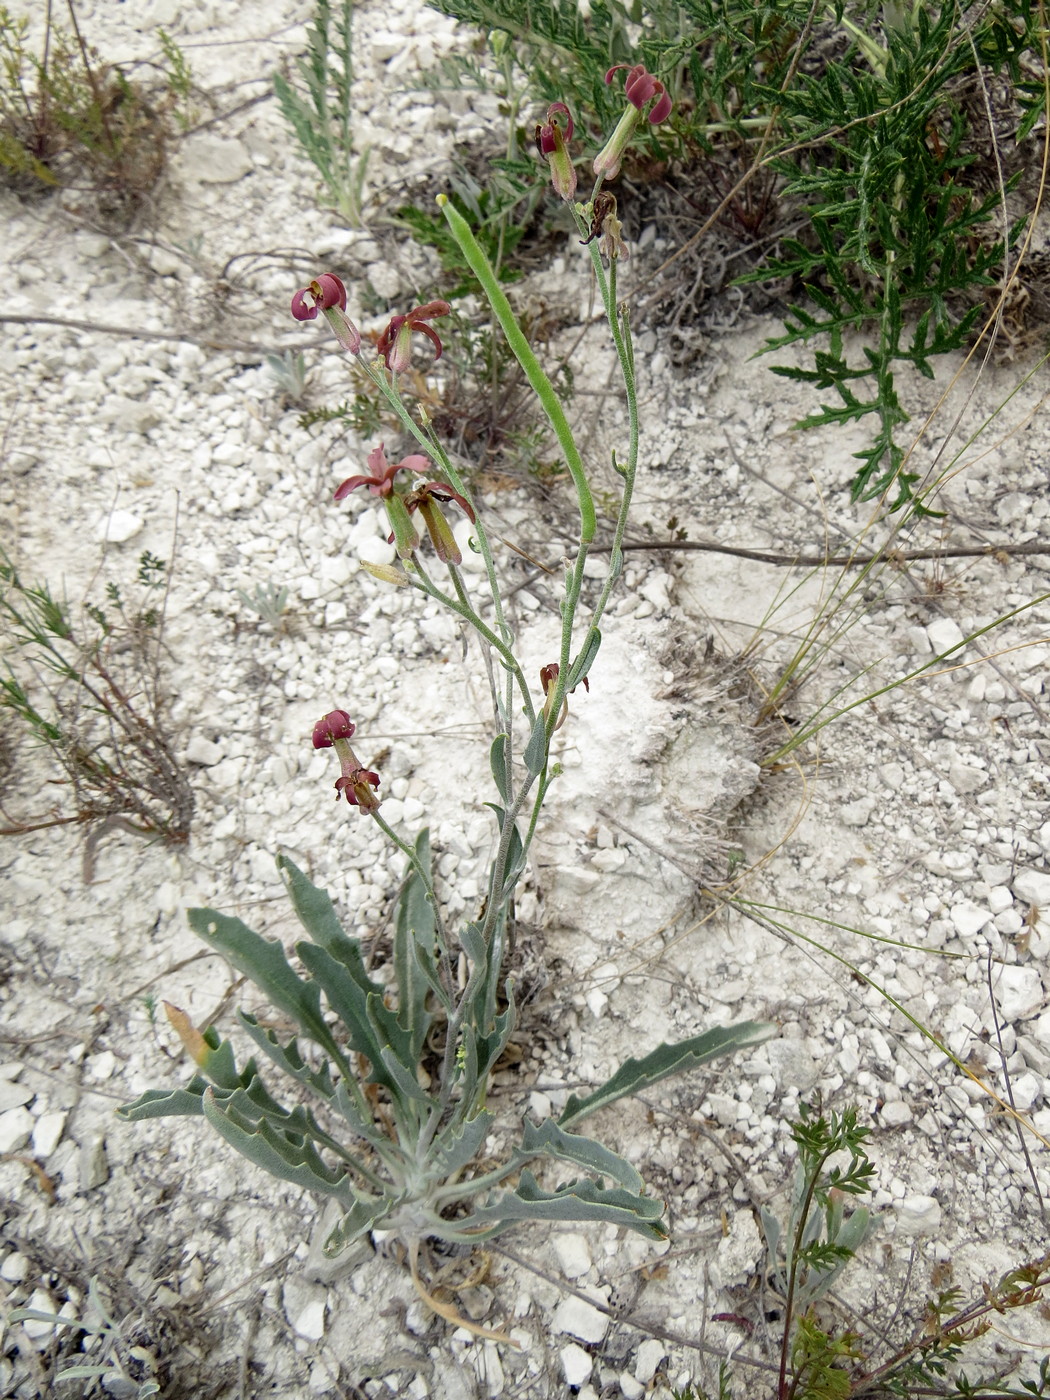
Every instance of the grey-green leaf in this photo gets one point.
(415, 935)
(498, 761)
(585, 660)
(264, 961)
(455, 1147)
(548, 1138)
(315, 910)
(166, 1103)
(636, 1075)
(275, 1151)
(579, 1200)
(362, 1216)
(535, 754)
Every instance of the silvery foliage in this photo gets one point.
(393, 1153)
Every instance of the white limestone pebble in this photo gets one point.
(647, 1359)
(35, 1328)
(969, 918)
(15, 1268)
(47, 1133)
(918, 1215)
(573, 1253)
(203, 751)
(895, 1113)
(118, 527)
(15, 1127)
(310, 1322)
(1019, 992)
(13, 1095)
(214, 160)
(792, 1065)
(944, 633)
(489, 1369)
(93, 1166)
(965, 779)
(580, 1319)
(739, 1251)
(1033, 886)
(1025, 1089)
(576, 1365)
(630, 1388)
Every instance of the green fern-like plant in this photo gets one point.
(319, 107)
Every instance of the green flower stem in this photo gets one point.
(621, 333)
(387, 386)
(501, 711)
(424, 874)
(523, 352)
(537, 807)
(462, 607)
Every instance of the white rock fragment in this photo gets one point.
(999, 899)
(918, 1215)
(1025, 1089)
(630, 1389)
(214, 160)
(1019, 992)
(965, 779)
(573, 879)
(580, 1319)
(14, 1095)
(490, 1369)
(858, 813)
(15, 1127)
(203, 751)
(100, 1066)
(895, 1113)
(15, 1268)
(647, 1359)
(576, 1365)
(118, 527)
(738, 1251)
(944, 633)
(374, 550)
(969, 918)
(41, 1301)
(94, 1168)
(1033, 886)
(952, 865)
(47, 1133)
(310, 1322)
(573, 1253)
(792, 1065)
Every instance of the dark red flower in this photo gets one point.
(357, 785)
(336, 725)
(640, 87)
(335, 731)
(424, 499)
(328, 295)
(381, 482)
(395, 344)
(554, 144)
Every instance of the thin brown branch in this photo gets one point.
(209, 342)
(822, 561)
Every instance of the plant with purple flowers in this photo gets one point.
(413, 1136)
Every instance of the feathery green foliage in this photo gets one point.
(320, 111)
(868, 122)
